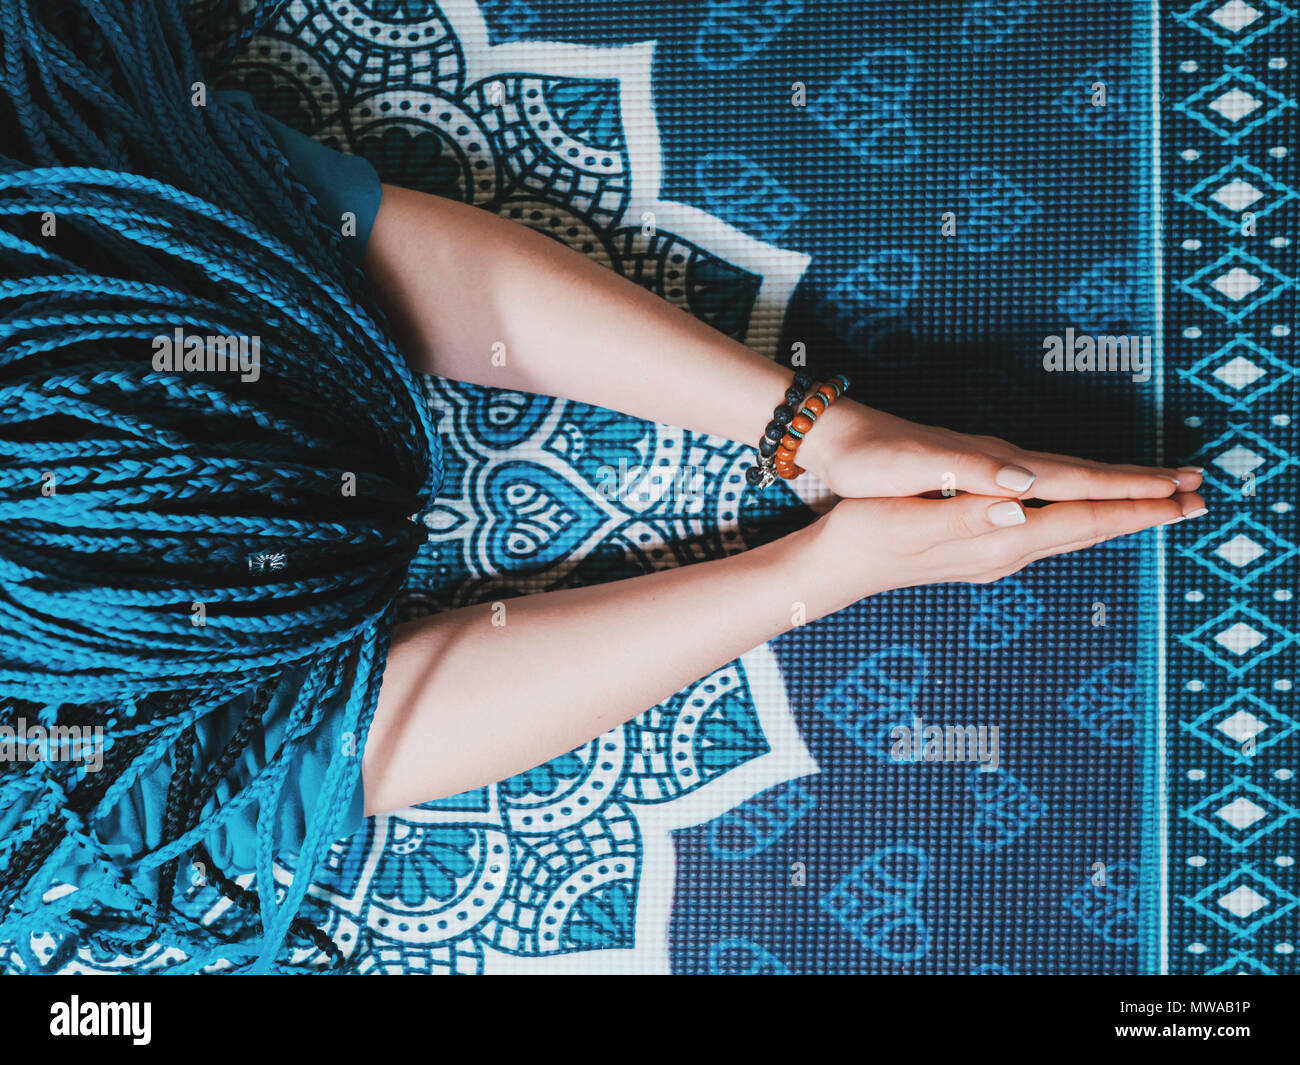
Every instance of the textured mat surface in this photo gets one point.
(921, 195)
(687, 164)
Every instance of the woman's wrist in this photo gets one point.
(810, 568)
(825, 442)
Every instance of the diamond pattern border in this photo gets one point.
(1230, 225)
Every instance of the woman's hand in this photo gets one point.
(864, 546)
(860, 452)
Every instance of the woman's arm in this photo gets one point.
(458, 281)
(475, 695)
(479, 298)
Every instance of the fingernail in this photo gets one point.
(1008, 512)
(1197, 512)
(1175, 521)
(1191, 469)
(1177, 484)
(1016, 478)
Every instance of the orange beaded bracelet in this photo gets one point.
(826, 394)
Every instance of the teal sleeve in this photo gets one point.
(135, 824)
(234, 846)
(340, 182)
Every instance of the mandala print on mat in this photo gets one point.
(568, 866)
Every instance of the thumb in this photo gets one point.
(969, 516)
(990, 476)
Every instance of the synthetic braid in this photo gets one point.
(131, 495)
(176, 791)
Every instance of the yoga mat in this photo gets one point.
(921, 195)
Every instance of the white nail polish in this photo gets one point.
(1008, 512)
(1197, 512)
(1015, 478)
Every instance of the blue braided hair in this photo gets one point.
(134, 499)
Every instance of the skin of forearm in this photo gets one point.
(479, 298)
(477, 694)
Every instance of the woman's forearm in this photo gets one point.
(475, 695)
(479, 298)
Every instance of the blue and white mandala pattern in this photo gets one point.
(569, 866)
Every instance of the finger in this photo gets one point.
(968, 516)
(1079, 545)
(1138, 482)
(1123, 518)
(1059, 477)
(1070, 526)
(1038, 475)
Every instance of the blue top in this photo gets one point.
(135, 824)
(339, 182)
